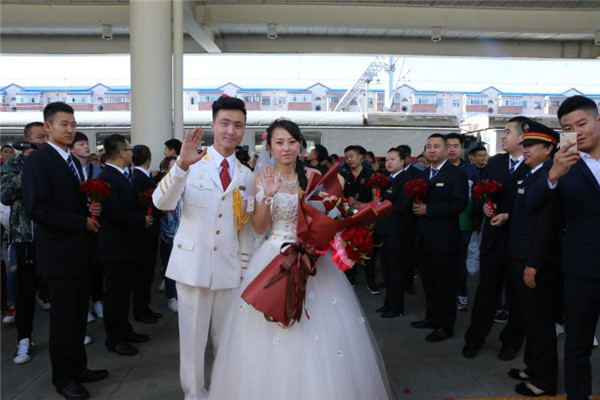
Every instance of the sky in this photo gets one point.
(302, 71)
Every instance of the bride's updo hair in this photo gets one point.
(294, 131)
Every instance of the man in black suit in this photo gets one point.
(120, 244)
(142, 181)
(409, 254)
(390, 232)
(534, 243)
(509, 170)
(63, 234)
(575, 176)
(437, 238)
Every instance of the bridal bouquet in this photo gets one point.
(146, 199)
(96, 190)
(351, 245)
(278, 290)
(485, 190)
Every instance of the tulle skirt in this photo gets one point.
(331, 355)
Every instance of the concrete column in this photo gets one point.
(178, 106)
(151, 75)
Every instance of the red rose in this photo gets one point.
(328, 205)
(357, 239)
(368, 243)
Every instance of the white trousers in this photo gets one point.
(199, 310)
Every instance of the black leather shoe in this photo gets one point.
(390, 314)
(438, 335)
(123, 349)
(522, 388)
(91, 375)
(146, 319)
(516, 374)
(381, 309)
(470, 350)
(134, 337)
(74, 391)
(423, 324)
(152, 313)
(507, 353)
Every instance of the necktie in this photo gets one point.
(434, 172)
(71, 165)
(224, 175)
(513, 162)
(127, 174)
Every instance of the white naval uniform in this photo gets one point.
(207, 257)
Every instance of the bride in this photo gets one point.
(332, 354)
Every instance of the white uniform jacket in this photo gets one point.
(206, 248)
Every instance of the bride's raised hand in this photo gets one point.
(271, 182)
(190, 153)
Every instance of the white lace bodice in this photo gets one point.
(284, 216)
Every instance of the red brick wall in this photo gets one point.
(204, 105)
(424, 107)
(510, 110)
(299, 106)
(82, 106)
(476, 108)
(253, 106)
(117, 106)
(29, 107)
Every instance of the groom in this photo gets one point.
(207, 258)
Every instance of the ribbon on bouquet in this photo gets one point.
(285, 277)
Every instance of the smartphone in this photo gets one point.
(568, 137)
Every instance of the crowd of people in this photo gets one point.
(531, 241)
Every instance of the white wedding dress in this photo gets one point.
(332, 355)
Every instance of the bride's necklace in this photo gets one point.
(291, 184)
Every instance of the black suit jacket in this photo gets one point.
(446, 198)
(497, 170)
(141, 183)
(401, 221)
(53, 201)
(534, 234)
(122, 221)
(579, 195)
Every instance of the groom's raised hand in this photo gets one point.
(190, 153)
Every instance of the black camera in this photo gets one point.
(22, 146)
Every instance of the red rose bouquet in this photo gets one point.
(96, 190)
(485, 190)
(416, 188)
(379, 181)
(278, 291)
(351, 245)
(146, 199)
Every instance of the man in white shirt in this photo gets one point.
(206, 261)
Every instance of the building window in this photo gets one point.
(117, 99)
(537, 105)
(207, 98)
(299, 98)
(555, 103)
(281, 101)
(476, 101)
(512, 102)
(439, 102)
(266, 101)
(353, 102)
(334, 99)
(455, 103)
(524, 104)
(252, 98)
(425, 100)
(192, 100)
